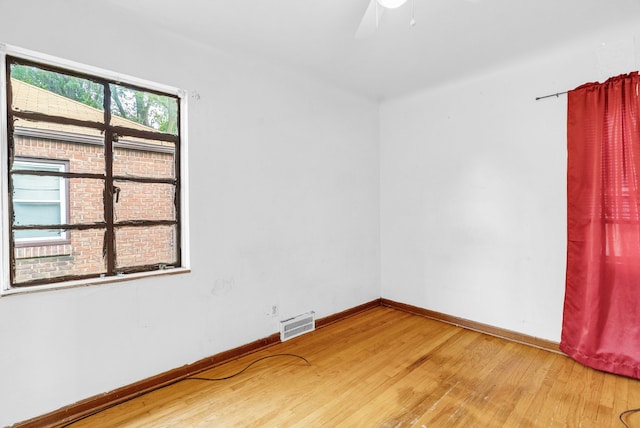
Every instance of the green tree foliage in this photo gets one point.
(155, 111)
(81, 90)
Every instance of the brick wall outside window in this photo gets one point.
(83, 253)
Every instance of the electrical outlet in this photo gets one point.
(274, 310)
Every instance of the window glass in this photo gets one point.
(144, 110)
(144, 158)
(91, 196)
(81, 256)
(36, 90)
(37, 213)
(82, 148)
(139, 246)
(86, 200)
(144, 201)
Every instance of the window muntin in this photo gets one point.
(115, 171)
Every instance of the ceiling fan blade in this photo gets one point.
(370, 20)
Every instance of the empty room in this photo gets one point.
(318, 213)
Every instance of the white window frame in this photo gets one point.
(5, 282)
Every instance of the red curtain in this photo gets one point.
(601, 320)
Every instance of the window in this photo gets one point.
(93, 177)
(39, 199)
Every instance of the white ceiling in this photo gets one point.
(451, 37)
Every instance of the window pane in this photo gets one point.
(83, 148)
(33, 213)
(83, 256)
(144, 110)
(55, 94)
(150, 158)
(75, 201)
(36, 188)
(145, 201)
(86, 200)
(139, 246)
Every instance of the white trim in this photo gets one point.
(83, 68)
(5, 281)
(92, 281)
(184, 183)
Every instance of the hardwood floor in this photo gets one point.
(388, 368)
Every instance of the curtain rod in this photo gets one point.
(557, 94)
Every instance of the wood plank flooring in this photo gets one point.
(388, 368)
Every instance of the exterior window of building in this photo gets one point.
(93, 177)
(39, 199)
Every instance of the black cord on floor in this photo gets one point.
(188, 378)
(243, 370)
(625, 413)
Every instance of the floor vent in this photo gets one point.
(298, 325)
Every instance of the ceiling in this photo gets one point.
(450, 38)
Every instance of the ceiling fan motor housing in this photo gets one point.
(391, 4)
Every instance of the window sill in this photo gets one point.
(93, 281)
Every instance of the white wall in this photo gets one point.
(284, 210)
(473, 203)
